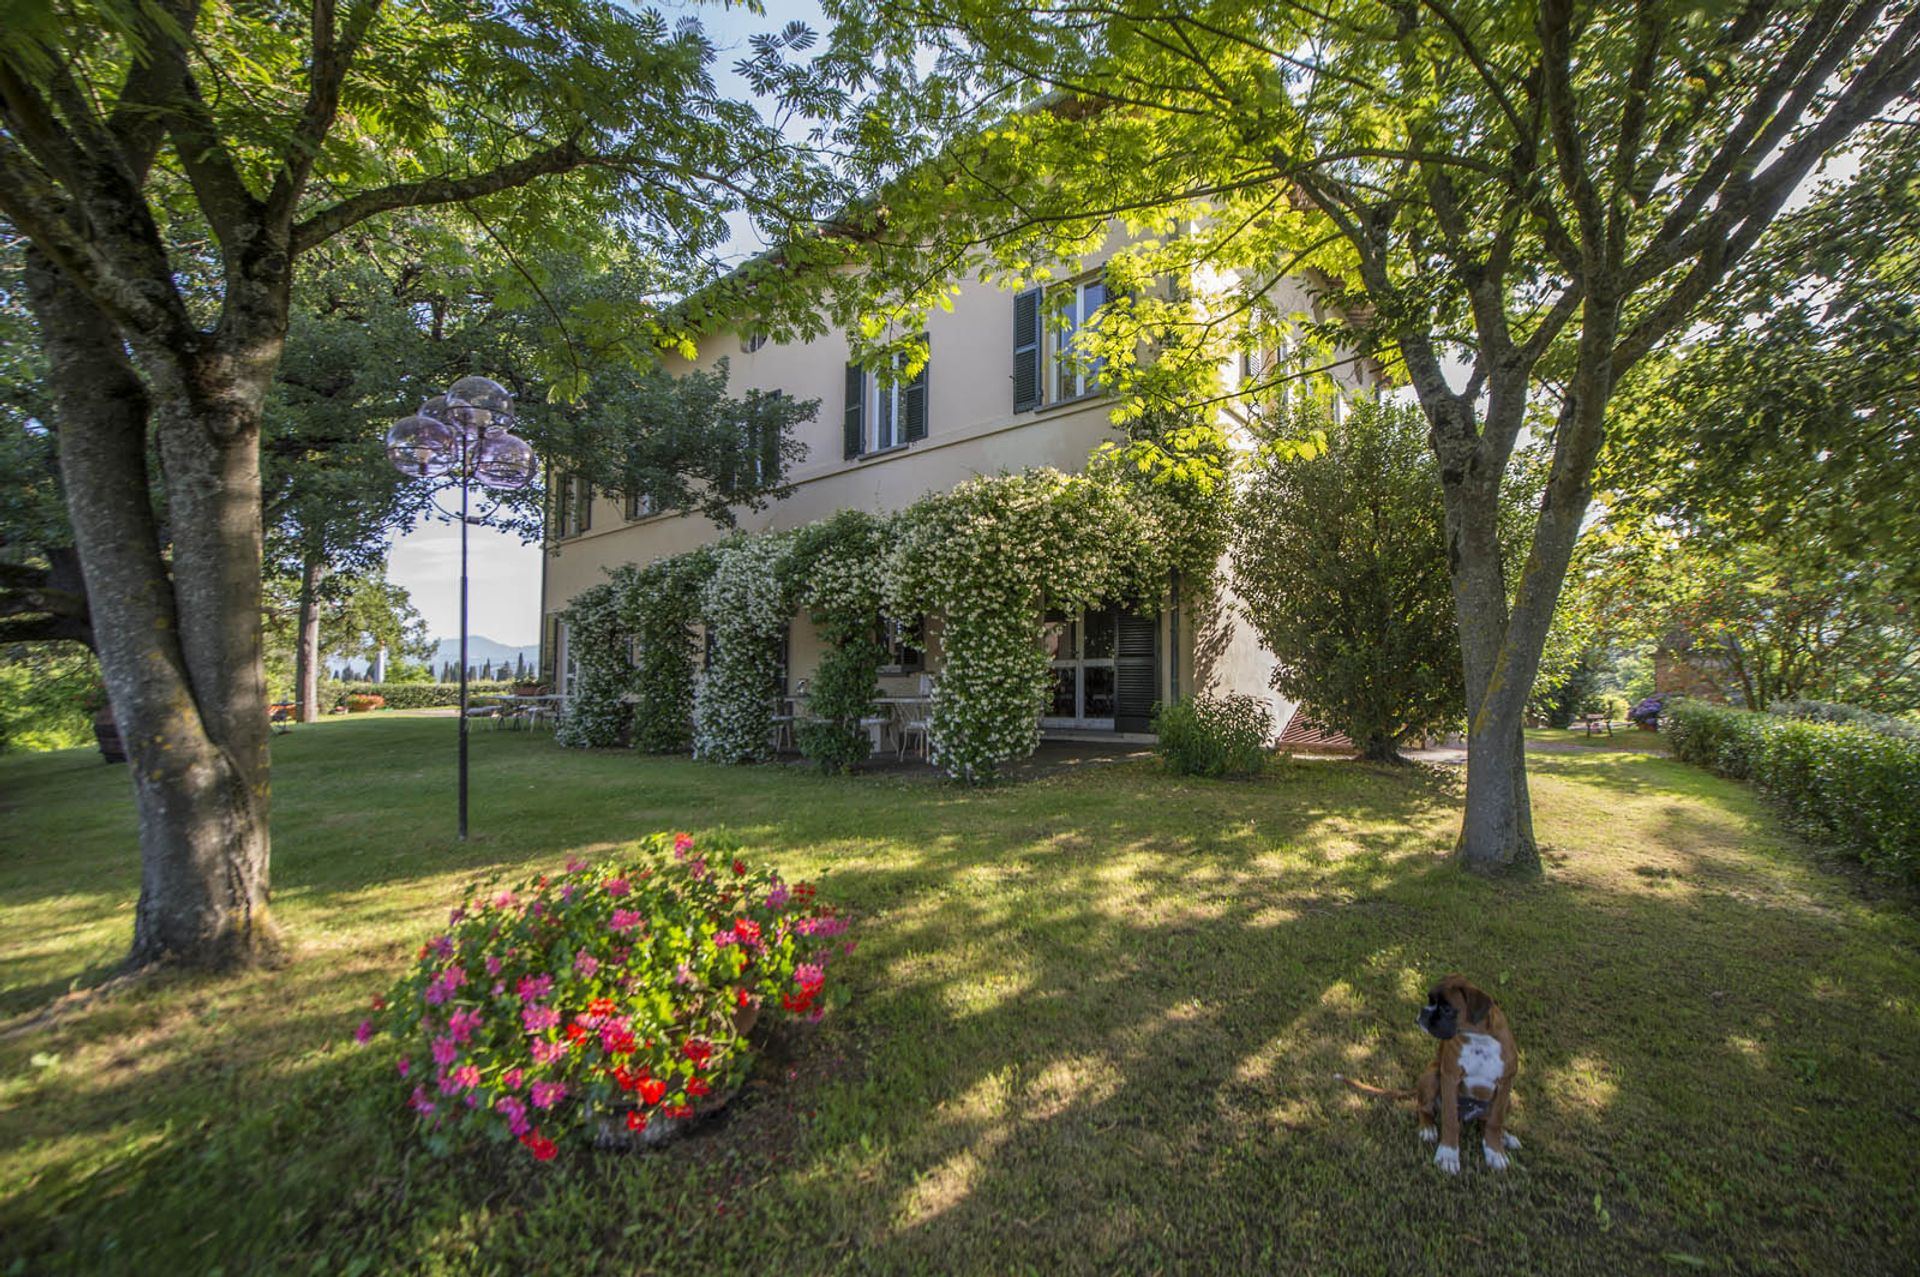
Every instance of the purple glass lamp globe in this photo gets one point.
(421, 447)
(503, 461)
(481, 392)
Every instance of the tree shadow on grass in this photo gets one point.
(1094, 1023)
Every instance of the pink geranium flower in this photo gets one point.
(547, 1094)
(618, 886)
(624, 920)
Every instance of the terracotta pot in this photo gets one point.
(610, 1125)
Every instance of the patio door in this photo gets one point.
(1105, 670)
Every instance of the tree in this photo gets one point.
(1340, 558)
(1543, 193)
(170, 173)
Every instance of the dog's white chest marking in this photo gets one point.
(1481, 1062)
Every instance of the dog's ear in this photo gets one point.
(1477, 1005)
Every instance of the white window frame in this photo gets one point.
(886, 403)
(1066, 380)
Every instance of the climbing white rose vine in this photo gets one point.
(986, 560)
(746, 603)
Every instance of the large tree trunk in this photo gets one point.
(306, 658)
(1496, 832)
(180, 651)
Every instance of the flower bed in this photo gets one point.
(605, 999)
(361, 703)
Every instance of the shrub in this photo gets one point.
(332, 695)
(1833, 712)
(1208, 737)
(623, 991)
(1855, 785)
(1340, 556)
(360, 702)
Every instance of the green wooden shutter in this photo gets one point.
(856, 409)
(1136, 671)
(1026, 350)
(914, 401)
(769, 442)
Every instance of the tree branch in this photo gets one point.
(327, 72)
(330, 221)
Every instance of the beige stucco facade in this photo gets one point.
(971, 429)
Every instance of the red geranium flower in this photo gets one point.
(698, 1051)
(698, 1087)
(678, 1110)
(747, 930)
(539, 1145)
(740, 868)
(651, 1089)
(575, 1032)
(636, 1120)
(600, 1006)
(741, 997)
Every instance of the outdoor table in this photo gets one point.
(534, 704)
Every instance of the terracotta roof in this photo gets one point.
(1302, 733)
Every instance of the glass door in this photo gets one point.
(1081, 651)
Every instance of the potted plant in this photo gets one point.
(361, 702)
(611, 1005)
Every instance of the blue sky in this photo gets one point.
(504, 597)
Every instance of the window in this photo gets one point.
(906, 643)
(1046, 367)
(750, 342)
(573, 506)
(641, 505)
(760, 449)
(884, 414)
(1073, 376)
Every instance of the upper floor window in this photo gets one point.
(751, 341)
(641, 505)
(572, 505)
(884, 413)
(760, 450)
(1047, 366)
(1073, 374)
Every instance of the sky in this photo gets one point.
(504, 572)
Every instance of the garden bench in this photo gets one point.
(1594, 722)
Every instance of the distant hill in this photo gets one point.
(481, 650)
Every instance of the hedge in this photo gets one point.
(409, 695)
(1857, 786)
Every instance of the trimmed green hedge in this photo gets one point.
(1857, 786)
(409, 695)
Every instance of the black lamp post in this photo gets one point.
(459, 439)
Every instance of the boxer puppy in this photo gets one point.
(1470, 1079)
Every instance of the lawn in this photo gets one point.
(1093, 1024)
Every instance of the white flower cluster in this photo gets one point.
(745, 604)
(596, 714)
(988, 558)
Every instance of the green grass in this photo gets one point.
(1094, 1017)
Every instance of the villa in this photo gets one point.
(997, 394)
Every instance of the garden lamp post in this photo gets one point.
(459, 439)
